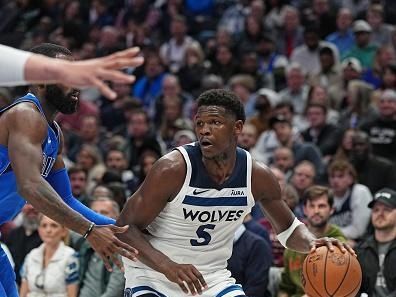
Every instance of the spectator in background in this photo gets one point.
(345, 147)
(343, 38)
(330, 72)
(381, 32)
(250, 262)
(79, 181)
(383, 57)
(372, 171)
(284, 160)
(290, 33)
(233, 18)
(89, 134)
(52, 268)
(351, 70)
(325, 136)
(363, 50)
(173, 51)
(89, 159)
(224, 64)
(191, 74)
(139, 136)
(148, 87)
(297, 90)
(303, 177)
(301, 150)
(248, 137)
(377, 253)
(243, 85)
(382, 129)
(359, 108)
(307, 54)
(319, 95)
(95, 279)
(350, 200)
(266, 98)
(116, 160)
(271, 64)
(171, 88)
(112, 115)
(24, 238)
(318, 207)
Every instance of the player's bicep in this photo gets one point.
(267, 192)
(26, 134)
(162, 183)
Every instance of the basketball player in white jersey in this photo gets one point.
(183, 217)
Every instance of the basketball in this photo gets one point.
(335, 274)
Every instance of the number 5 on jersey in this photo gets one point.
(203, 235)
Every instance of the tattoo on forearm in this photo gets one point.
(49, 203)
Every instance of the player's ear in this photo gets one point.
(238, 127)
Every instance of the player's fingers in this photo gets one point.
(196, 282)
(127, 53)
(125, 250)
(341, 246)
(117, 262)
(182, 285)
(123, 63)
(106, 262)
(116, 76)
(349, 249)
(186, 278)
(125, 253)
(200, 278)
(119, 229)
(330, 245)
(104, 88)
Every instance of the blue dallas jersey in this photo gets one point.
(10, 201)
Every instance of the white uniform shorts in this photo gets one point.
(141, 281)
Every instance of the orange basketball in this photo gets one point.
(331, 274)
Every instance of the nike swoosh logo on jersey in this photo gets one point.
(196, 192)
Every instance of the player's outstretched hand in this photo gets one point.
(108, 246)
(330, 243)
(187, 277)
(95, 72)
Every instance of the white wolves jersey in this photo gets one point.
(197, 227)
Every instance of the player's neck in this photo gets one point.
(221, 167)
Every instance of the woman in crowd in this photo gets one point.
(51, 270)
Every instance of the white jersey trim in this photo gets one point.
(186, 183)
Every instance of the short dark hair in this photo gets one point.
(50, 50)
(316, 191)
(224, 98)
(76, 169)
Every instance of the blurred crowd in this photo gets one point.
(318, 82)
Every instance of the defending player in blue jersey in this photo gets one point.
(32, 169)
(192, 202)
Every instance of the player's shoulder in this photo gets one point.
(259, 169)
(264, 183)
(171, 163)
(24, 114)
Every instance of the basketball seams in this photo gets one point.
(306, 269)
(348, 295)
(324, 274)
(346, 271)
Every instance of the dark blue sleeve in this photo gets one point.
(59, 180)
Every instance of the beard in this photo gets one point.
(62, 102)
